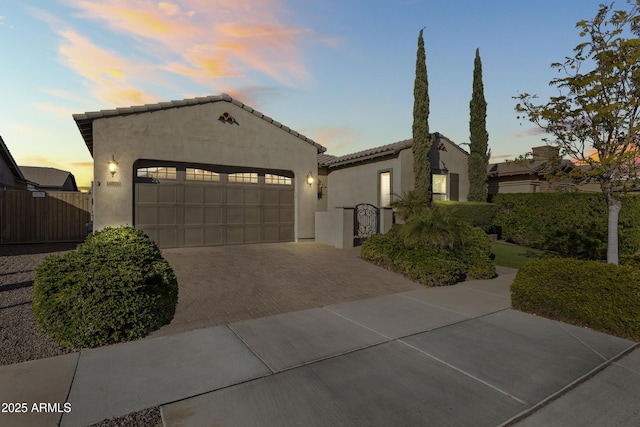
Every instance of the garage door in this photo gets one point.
(188, 205)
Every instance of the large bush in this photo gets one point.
(572, 224)
(476, 214)
(429, 264)
(587, 293)
(114, 287)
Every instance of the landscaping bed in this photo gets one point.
(20, 338)
(591, 294)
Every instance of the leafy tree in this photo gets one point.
(478, 138)
(594, 118)
(421, 138)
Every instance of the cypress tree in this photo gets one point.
(421, 138)
(478, 138)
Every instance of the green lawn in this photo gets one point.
(514, 256)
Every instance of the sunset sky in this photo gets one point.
(338, 71)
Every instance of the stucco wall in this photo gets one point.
(194, 134)
(359, 183)
(454, 161)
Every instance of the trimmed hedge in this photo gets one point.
(431, 265)
(114, 287)
(601, 296)
(572, 224)
(476, 214)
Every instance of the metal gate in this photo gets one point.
(365, 222)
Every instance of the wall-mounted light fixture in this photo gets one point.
(113, 165)
(320, 188)
(309, 179)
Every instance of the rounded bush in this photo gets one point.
(113, 287)
(431, 265)
(601, 296)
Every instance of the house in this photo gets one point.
(214, 171)
(378, 175)
(49, 179)
(353, 186)
(201, 171)
(531, 175)
(11, 178)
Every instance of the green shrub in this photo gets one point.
(588, 293)
(114, 287)
(572, 224)
(428, 264)
(476, 214)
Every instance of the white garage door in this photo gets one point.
(196, 205)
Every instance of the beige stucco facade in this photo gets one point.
(358, 180)
(194, 134)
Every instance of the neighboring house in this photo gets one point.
(529, 176)
(201, 171)
(11, 178)
(378, 175)
(49, 179)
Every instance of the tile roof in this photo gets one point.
(532, 167)
(376, 152)
(84, 121)
(9, 160)
(45, 176)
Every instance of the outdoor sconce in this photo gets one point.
(309, 179)
(113, 165)
(320, 187)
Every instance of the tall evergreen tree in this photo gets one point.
(421, 137)
(478, 138)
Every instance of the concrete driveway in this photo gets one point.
(449, 356)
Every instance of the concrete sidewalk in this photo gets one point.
(453, 355)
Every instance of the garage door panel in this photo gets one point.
(252, 215)
(270, 197)
(235, 215)
(167, 215)
(270, 233)
(235, 234)
(167, 193)
(286, 215)
(193, 236)
(147, 193)
(193, 195)
(213, 215)
(285, 197)
(286, 233)
(167, 237)
(193, 215)
(271, 215)
(235, 196)
(213, 195)
(214, 236)
(147, 215)
(252, 196)
(252, 234)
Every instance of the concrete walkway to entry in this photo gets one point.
(453, 355)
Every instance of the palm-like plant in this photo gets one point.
(427, 223)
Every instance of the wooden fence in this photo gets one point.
(39, 217)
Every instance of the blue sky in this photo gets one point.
(338, 71)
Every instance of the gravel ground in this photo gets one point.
(20, 338)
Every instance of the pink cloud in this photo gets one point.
(197, 39)
(107, 73)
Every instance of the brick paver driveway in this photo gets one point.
(224, 284)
